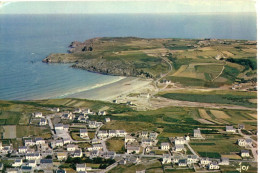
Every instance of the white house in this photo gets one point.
(43, 122)
(230, 129)
(32, 163)
(197, 133)
(112, 133)
(245, 153)
(71, 147)
(205, 161)
(165, 146)
(58, 143)
(102, 113)
(83, 133)
(192, 159)
(81, 167)
(182, 162)
(62, 155)
(166, 158)
(224, 161)
(147, 142)
(129, 138)
(107, 120)
(121, 133)
(38, 114)
(179, 140)
(33, 156)
(144, 134)
(244, 142)
(213, 165)
(153, 135)
(22, 150)
(102, 134)
(179, 147)
(39, 141)
(132, 149)
(29, 142)
(17, 163)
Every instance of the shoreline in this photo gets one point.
(113, 90)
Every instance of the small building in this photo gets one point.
(241, 126)
(43, 122)
(112, 133)
(83, 133)
(165, 146)
(107, 120)
(179, 147)
(102, 134)
(205, 161)
(71, 147)
(121, 133)
(129, 138)
(97, 147)
(39, 141)
(46, 164)
(94, 153)
(179, 140)
(109, 155)
(153, 135)
(29, 142)
(230, 129)
(22, 150)
(17, 163)
(245, 153)
(144, 134)
(66, 141)
(192, 159)
(147, 142)
(182, 162)
(213, 166)
(102, 113)
(224, 161)
(32, 163)
(33, 156)
(62, 155)
(77, 153)
(132, 149)
(187, 138)
(197, 133)
(58, 143)
(38, 114)
(244, 142)
(166, 158)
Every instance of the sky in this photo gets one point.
(123, 6)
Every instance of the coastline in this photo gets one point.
(113, 90)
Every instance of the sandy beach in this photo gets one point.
(115, 90)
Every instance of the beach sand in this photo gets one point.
(114, 90)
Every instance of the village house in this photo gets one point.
(187, 138)
(224, 161)
(166, 158)
(147, 142)
(95, 141)
(121, 133)
(197, 133)
(83, 133)
(71, 147)
(182, 162)
(132, 149)
(245, 153)
(46, 164)
(33, 156)
(107, 120)
(87, 111)
(38, 114)
(230, 129)
(144, 134)
(176, 158)
(244, 142)
(111, 133)
(134, 160)
(81, 167)
(241, 126)
(17, 163)
(179, 140)
(56, 109)
(109, 155)
(94, 153)
(102, 113)
(192, 159)
(94, 124)
(68, 116)
(179, 147)
(153, 135)
(129, 138)
(66, 141)
(59, 127)
(58, 143)
(82, 119)
(39, 141)
(32, 163)
(62, 155)
(77, 110)
(165, 146)
(102, 134)
(22, 150)
(7, 149)
(213, 165)
(205, 161)
(43, 122)
(29, 142)
(77, 153)
(97, 147)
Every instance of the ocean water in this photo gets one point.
(27, 39)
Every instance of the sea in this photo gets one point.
(27, 39)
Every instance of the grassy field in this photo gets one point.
(116, 144)
(222, 97)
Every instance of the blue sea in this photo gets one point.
(27, 39)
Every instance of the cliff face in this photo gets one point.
(114, 56)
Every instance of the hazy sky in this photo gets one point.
(96, 7)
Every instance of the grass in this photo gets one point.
(116, 144)
(23, 131)
(210, 154)
(212, 98)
